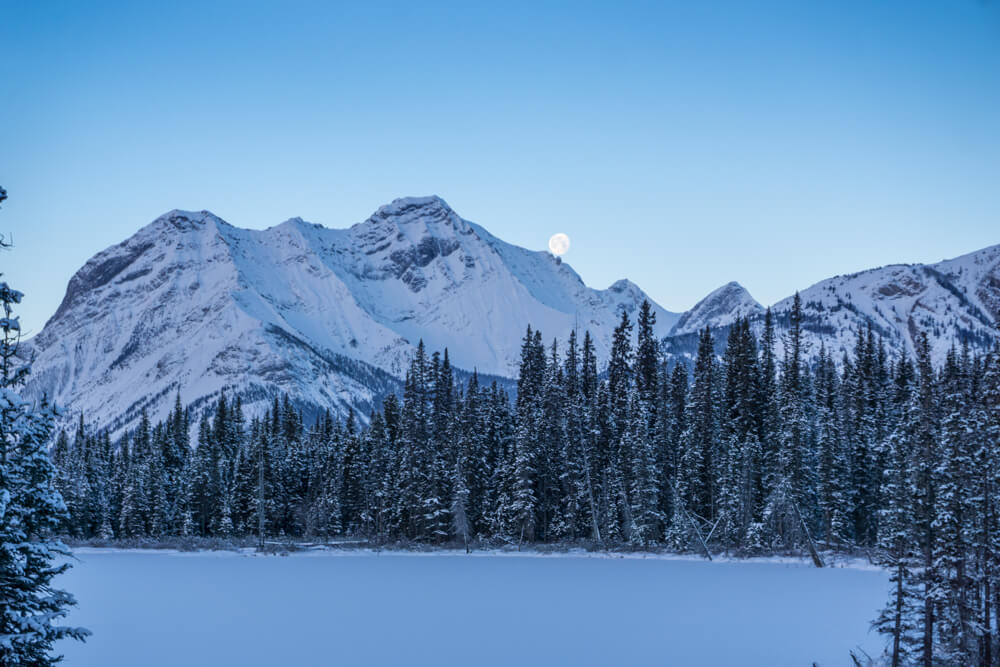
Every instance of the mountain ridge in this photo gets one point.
(193, 304)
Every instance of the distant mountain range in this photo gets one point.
(191, 304)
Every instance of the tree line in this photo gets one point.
(743, 452)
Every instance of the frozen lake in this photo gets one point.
(158, 609)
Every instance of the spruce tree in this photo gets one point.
(953, 509)
(833, 466)
(926, 460)
(644, 493)
(986, 535)
(696, 481)
(31, 511)
(524, 497)
(898, 548)
(767, 412)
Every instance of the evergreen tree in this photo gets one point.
(986, 533)
(620, 375)
(952, 510)
(647, 520)
(696, 480)
(898, 549)
(739, 455)
(926, 458)
(767, 413)
(647, 359)
(524, 479)
(31, 511)
(791, 503)
(833, 471)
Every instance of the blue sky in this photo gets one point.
(681, 145)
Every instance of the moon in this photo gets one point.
(559, 244)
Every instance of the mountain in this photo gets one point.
(952, 301)
(194, 305)
(719, 309)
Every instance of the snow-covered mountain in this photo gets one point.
(952, 301)
(192, 304)
(719, 309)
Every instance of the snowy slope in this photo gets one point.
(191, 304)
(952, 301)
(719, 309)
(331, 316)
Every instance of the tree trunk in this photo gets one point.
(897, 629)
(694, 526)
(595, 525)
(987, 622)
(928, 654)
(817, 561)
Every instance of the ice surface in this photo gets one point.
(155, 608)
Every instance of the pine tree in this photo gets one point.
(739, 455)
(926, 458)
(31, 511)
(555, 518)
(647, 359)
(986, 535)
(696, 482)
(620, 375)
(354, 478)
(459, 505)
(952, 512)
(767, 412)
(833, 464)
(647, 520)
(674, 424)
(860, 383)
(898, 548)
(524, 478)
(501, 447)
(791, 504)
(439, 447)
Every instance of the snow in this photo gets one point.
(192, 303)
(950, 300)
(224, 608)
(719, 309)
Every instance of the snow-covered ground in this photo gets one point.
(165, 608)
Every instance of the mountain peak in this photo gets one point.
(622, 285)
(184, 221)
(412, 218)
(409, 209)
(721, 307)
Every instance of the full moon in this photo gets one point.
(559, 244)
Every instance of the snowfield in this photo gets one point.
(224, 608)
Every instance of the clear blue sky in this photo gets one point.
(681, 145)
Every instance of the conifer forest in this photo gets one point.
(743, 453)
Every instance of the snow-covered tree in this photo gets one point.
(31, 512)
(898, 548)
